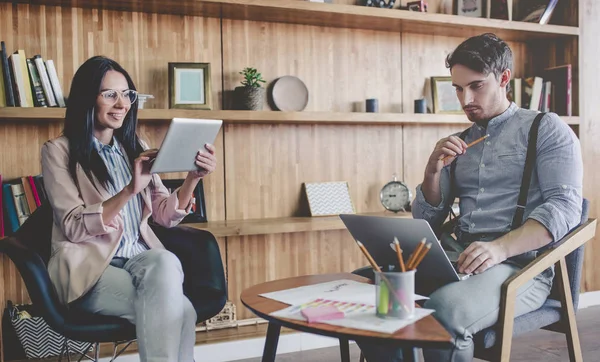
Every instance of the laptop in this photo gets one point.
(377, 234)
(184, 138)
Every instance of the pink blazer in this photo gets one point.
(82, 242)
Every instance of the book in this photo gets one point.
(60, 99)
(39, 100)
(10, 210)
(25, 76)
(8, 88)
(561, 93)
(18, 195)
(532, 93)
(2, 91)
(36, 195)
(45, 81)
(1, 210)
(18, 85)
(535, 11)
(28, 195)
(515, 92)
(39, 185)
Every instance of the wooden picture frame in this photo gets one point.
(444, 96)
(198, 212)
(329, 198)
(189, 86)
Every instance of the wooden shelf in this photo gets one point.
(44, 115)
(333, 15)
(280, 225)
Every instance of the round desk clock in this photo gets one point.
(395, 195)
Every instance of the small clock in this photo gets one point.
(395, 196)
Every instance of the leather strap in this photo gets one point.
(528, 171)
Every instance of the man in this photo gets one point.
(487, 179)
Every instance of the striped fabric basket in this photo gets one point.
(36, 336)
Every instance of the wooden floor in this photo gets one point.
(542, 346)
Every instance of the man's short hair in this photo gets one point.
(485, 53)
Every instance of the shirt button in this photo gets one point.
(488, 143)
(483, 165)
(482, 189)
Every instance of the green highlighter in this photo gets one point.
(384, 299)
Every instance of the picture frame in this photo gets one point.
(329, 198)
(471, 8)
(420, 6)
(444, 96)
(189, 86)
(198, 212)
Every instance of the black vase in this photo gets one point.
(249, 98)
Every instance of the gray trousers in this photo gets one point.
(147, 290)
(467, 307)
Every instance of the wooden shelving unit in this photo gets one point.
(280, 225)
(330, 15)
(253, 117)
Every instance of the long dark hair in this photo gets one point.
(80, 118)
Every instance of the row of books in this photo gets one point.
(551, 91)
(28, 82)
(18, 199)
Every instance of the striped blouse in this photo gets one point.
(119, 170)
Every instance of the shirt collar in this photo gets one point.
(502, 117)
(115, 146)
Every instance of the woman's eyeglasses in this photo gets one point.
(111, 96)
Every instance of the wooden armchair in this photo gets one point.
(558, 312)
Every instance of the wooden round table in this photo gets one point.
(425, 333)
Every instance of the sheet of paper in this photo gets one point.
(343, 290)
(358, 316)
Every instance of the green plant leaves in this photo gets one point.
(252, 77)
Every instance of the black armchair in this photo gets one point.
(29, 249)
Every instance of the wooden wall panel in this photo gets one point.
(142, 43)
(255, 259)
(267, 164)
(340, 67)
(589, 53)
(21, 145)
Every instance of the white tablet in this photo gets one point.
(184, 138)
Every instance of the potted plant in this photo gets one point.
(250, 96)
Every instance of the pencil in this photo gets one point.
(368, 256)
(377, 269)
(421, 256)
(469, 145)
(415, 253)
(399, 253)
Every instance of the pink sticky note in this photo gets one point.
(321, 313)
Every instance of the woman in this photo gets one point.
(105, 258)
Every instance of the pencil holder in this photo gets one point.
(395, 294)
